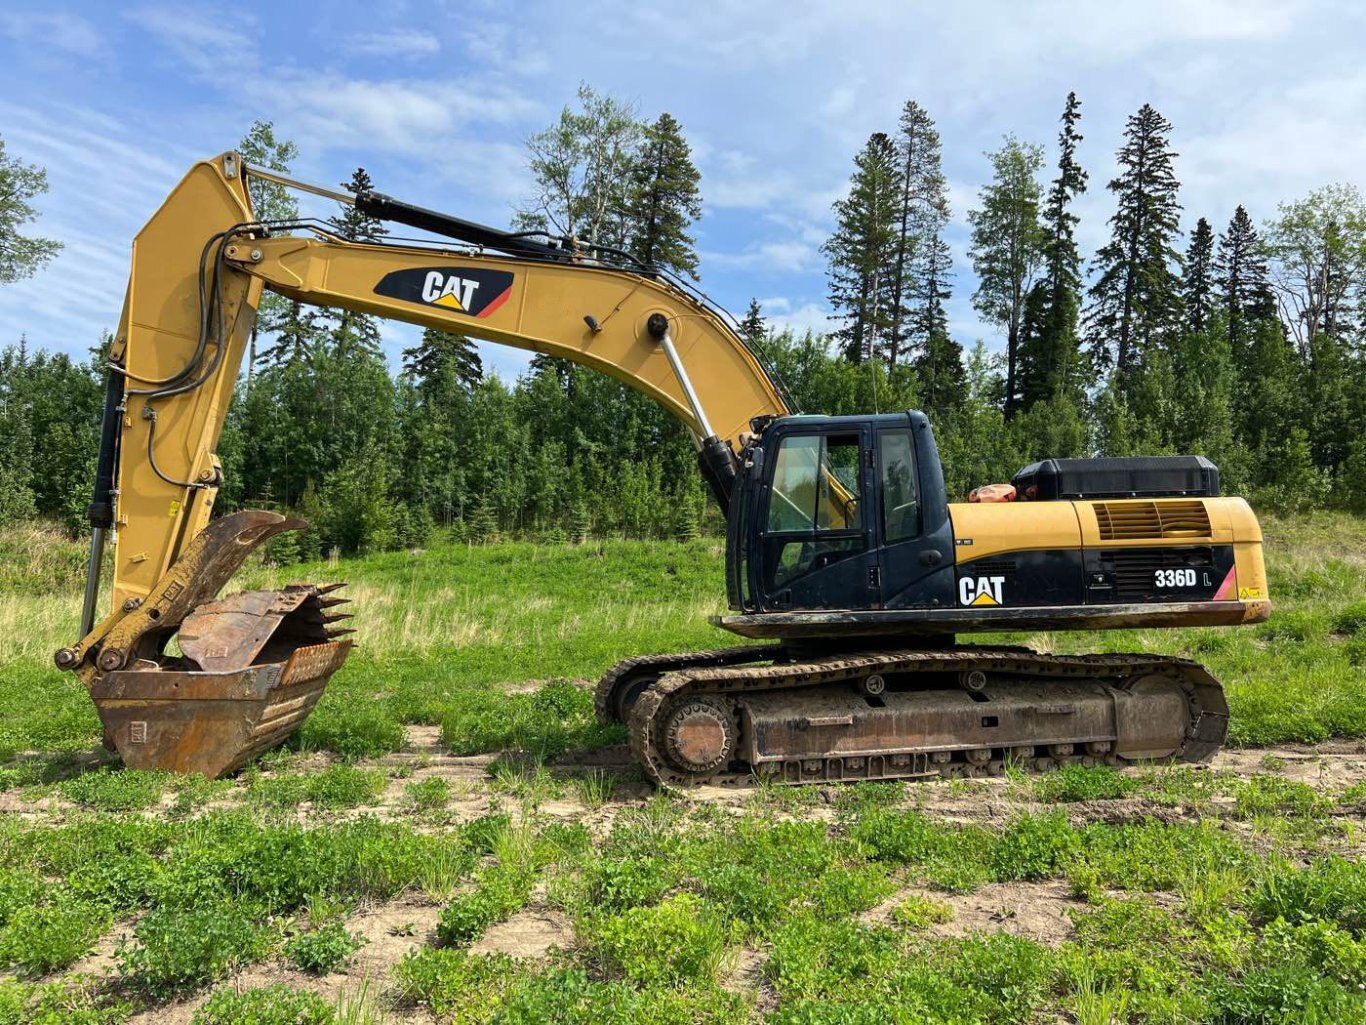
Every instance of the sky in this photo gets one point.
(436, 100)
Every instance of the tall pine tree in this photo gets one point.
(1240, 269)
(753, 329)
(1135, 301)
(1049, 347)
(921, 216)
(862, 251)
(1197, 282)
(440, 355)
(1007, 247)
(664, 200)
(355, 331)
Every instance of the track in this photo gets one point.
(734, 716)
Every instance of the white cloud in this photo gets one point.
(209, 45)
(781, 315)
(401, 44)
(61, 30)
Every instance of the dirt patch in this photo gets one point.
(1033, 911)
(528, 934)
(390, 932)
(1329, 766)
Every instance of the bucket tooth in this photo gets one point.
(332, 603)
(332, 635)
(337, 617)
(323, 589)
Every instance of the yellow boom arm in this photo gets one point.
(198, 271)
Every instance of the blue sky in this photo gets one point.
(436, 99)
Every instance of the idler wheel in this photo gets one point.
(699, 736)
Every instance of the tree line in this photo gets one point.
(1245, 345)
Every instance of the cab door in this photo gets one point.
(815, 538)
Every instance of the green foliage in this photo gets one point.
(21, 255)
(1035, 847)
(352, 730)
(681, 940)
(455, 985)
(921, 912)
(429, 794)
(115, 790)
(323, 950)
(264, 1005)
(1079, 783)
(1330, 889)
(41, 938)
(178, 949)
(553, 719)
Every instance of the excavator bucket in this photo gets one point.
(251, 667)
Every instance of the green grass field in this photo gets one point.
(452, 838)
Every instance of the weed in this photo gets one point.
(499, 890)
(1331, 889)
(323, 950)
(454, 985)
(1282, 995)
(337, 786)
(442, 870)
(45, 937)
(569, 997)
(1079, 783)
(1351, 620)
(115, 790)
(681, 940)
(916, 912)
(427, 795)
(363, 729)
(360, 1005)
(179, 949)
(1271, 795)
(1035, 847)
(543, 724)
(264, 1005)
(595, 788)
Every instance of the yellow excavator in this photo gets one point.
(843, 552)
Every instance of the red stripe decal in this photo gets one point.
(496, 303)
(1228, 590)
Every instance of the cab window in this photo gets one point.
(900, 486)
(815, 484)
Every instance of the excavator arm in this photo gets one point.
(199, 268)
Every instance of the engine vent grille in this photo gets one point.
(1151, 521)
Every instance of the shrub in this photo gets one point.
(1351, 620)
(264, 1005)
(1281, 995)
(345, 786)
(428, 794)
(682, 940)
(179, 949)
(454, 984)
(323, 950)
(45, 937)
(555, 718)
(1035, 847)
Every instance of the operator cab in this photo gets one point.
(841, 512)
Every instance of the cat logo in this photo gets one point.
(453, 292)
(981, 591)
(472, 291)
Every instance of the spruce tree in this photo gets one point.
(753, 329)
(443, 356)
(1197, 284)
(862, 251)
(938, 360)
(1240, 272)
(663, 200)
(1049, 346)
(356, 331)
(1007, 247)
(922, 211)
(1135, 301)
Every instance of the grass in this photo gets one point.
(1194, 895)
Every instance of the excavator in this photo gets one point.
(845, 560)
